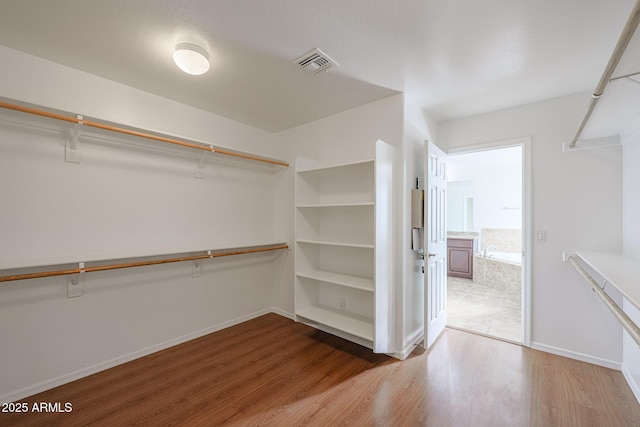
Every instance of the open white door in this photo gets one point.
(435, 278)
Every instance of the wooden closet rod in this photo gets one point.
(138, 133)
(138, 264)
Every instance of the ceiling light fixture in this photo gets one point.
(191, 59)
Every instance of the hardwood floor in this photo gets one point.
(273, 371)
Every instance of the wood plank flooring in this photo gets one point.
(272, 371)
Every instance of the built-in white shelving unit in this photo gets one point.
(343, 248)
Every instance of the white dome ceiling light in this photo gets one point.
(191, 59)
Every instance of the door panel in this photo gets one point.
(436, 244)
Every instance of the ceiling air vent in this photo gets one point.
(315, 61)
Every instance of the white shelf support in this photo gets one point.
(71, 153)
(75, 283)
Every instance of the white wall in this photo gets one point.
(577, 199)
(631, 247)
(124, 197)
(418, 127)
(349, 136)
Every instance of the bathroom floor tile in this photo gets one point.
(483, 309)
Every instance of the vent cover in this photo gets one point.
(315, 61)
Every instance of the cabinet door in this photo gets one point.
(460, 262)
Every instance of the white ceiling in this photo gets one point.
(452, 57)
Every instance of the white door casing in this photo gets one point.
(435, 278)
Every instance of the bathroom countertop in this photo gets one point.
(462, 235)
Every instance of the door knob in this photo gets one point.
(431, 255)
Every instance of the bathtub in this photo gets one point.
(509, 257)
(501, 271)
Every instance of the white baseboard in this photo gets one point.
(635, 387)
(282, 313)
(412, 342)
(577, 356)
(81, 373)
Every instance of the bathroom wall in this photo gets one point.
(577, 202)
(457, 208)
(502, 239)
(497, 195)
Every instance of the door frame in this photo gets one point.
(527, 233)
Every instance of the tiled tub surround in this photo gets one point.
(501, 275)
(502, 239)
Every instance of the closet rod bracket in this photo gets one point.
(75, 283)
(196, 268)
(199, 172)
(71, 153)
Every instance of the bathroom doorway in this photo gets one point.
(487, 217)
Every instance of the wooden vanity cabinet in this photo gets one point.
(460, 254)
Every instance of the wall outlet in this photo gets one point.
(343, 304)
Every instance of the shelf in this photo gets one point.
(355, 325)
(334, 205)
(619, 271)
(336, 185)
(345, 260)
(331, 170)
(337, 242)
(356, 282)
